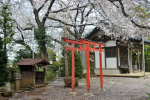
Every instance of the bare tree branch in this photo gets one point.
(22, 43)
(42, 5)
(28, 28)
(48, 11)
(126, 15)
(61, 10)
(35, 11)
(56, 40)
(75, 19)
(53, 26)
(122, 7)
(65, 9)
(140, 26)
(70, 31)
(58, 21)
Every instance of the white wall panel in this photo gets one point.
(111, 62)
(110, 43)
(97, 61)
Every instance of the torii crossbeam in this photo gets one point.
(87, 48)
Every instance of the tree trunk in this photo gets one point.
(44, 53)
(40, 36)
(4, 30)
(66, 63)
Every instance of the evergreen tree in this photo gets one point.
(6, 25)
(3, 65)
(78, 65)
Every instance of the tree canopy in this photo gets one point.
(74, 17)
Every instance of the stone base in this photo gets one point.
(73, 93)
(102, 89)
(88, 94)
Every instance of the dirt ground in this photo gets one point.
(115, 88)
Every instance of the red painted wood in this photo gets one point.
(84, 49)
(101, 72)
(72, 41)
(87, 68)
(91, 42)
(73, 69)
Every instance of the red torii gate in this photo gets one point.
(87, 49)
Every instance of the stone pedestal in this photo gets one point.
(16, 78)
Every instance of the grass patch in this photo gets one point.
(13, 94)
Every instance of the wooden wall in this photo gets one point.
(39, 76)
(27, 79)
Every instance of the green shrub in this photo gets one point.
(49, 76)
(78, 65)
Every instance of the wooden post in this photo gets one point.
(131, 69)
(33, 80)
(130, 58)
(87, 68)
(138, 58)
(141, 59)
(73, 69)
(45, 76)
(101, 72)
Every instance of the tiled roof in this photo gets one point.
(135, 38)
(31, 61)
(94, 36)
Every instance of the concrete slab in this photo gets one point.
(135, 75)
(73, 93)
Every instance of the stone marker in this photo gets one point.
(16, 78)
(8, 87)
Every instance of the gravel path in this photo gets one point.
(115, 88)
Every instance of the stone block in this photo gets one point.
(16, 76)
(68, 81)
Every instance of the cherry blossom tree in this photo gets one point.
(73, 17)
(113, 16)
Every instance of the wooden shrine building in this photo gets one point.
(118, 53)
(33, 72)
